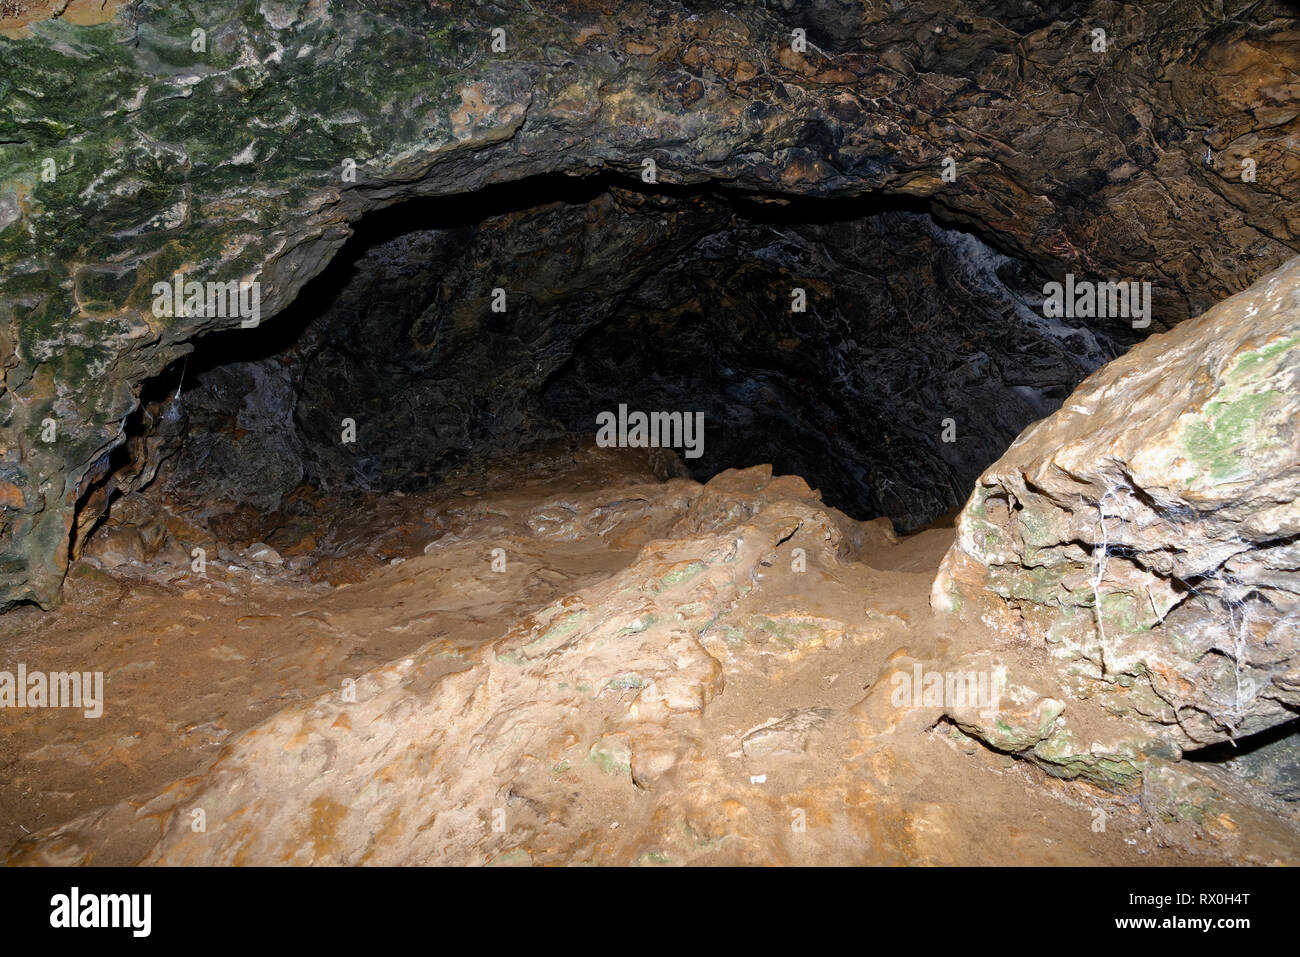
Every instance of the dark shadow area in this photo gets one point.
(1231, 750)
(476, 324)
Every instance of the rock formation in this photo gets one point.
(713, 682)
(238, 144)
(1148, 534)
(308, 309)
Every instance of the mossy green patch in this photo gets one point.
(611, 756)
(1222, 440)
(1117, 769)
(651, 859)
(732, 636)
(517, 857)
(564, 626)
(679, 575)
(626, 682)
(790, 632)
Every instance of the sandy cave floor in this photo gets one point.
(193, 662)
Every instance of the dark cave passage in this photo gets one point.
(856, 343)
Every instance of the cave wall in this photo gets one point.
(229, 161)
(401, 341)
(922, 353)
(917, 355)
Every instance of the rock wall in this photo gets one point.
(905, 325)
(909, 330)
(1146, 537)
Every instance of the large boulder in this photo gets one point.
(1147, 535)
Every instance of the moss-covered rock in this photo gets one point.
(237, 140)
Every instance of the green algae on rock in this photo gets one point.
(238, 141)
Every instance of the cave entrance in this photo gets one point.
(857, 343)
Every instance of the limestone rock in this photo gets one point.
(788, 735)
(263, 553)
(1146, 534)
(652, 681)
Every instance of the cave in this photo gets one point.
(889, 392)
(566, 433)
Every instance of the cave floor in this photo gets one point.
(654, 676)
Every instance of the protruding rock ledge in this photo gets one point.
(1147, 535)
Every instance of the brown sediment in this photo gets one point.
(653, 678)
(17, 15)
